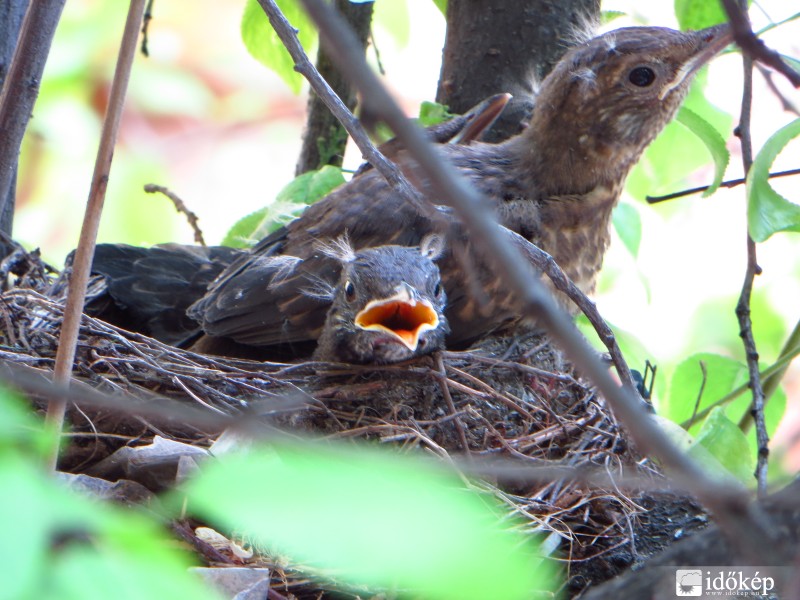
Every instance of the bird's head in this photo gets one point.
(388, 306)
(608, 98)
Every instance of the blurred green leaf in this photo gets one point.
(19, 429)
(713, 141)
(441, 5)
(393, 18)
(768, 212)
(726, 442)
(61, 546)
(698, 14)
(723, 374)
(264, 45)
(628, 225)
(372, 518)
(303, 190)
(432, 113)
(606, 16)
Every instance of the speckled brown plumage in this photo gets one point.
(555, 184)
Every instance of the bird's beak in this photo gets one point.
(402, 316)
(711, 41)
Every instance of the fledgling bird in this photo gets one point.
(387, 306)
(555, 185)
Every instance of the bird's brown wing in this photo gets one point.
(259, 302)
(149, 289)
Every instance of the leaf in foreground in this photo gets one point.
(767, 211)
(372, 518)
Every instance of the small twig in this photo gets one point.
(725, 184)
(740, 22)
(462, 435)
(776, 370)
(79, 277)
(730, 507)
(180, 206)
(752, 46)
(772, 380)
(371, 154)
(148, 16)
(704, 371)
(786, 104)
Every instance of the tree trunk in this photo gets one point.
(11, 15)
(495, 46)
(325, 139)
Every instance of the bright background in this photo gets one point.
(207, 121)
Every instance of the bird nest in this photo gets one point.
(505, 398)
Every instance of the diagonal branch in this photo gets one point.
(91, 221)
(727, 501)
(752, 46)
(739, 20)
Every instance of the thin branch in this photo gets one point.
(769, 78)
(443, 384)
(729, 505)
(21, 88)
(91, 222)
(753, 47)
(180, 206)
(771, 381)
(305, 67)
(740, 22)
(148, 16)
(726, 184)
(776, 368)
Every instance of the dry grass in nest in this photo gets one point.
(504, 398)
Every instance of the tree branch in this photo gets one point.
(752, 46)
(739, 21)
(65, 356)
(370, 153)
(728, 502)
(19, 94)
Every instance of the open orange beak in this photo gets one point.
(401, 316)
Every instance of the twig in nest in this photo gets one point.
(754, 47)
(180, 206)
(462, 436)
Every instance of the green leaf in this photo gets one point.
(61, 546)
(767, 211)
(372, 518)
(628, 225)
(432, 113)
(698, 14)
(723, 374)
(606, 16)
(393, 17)
(303, 190)
(442, 6)
(713, 141)
(266, 47)
(726, 442)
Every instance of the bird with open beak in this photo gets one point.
(387, 306)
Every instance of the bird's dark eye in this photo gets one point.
(437, 291)
(349, 291)
(642, 76)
